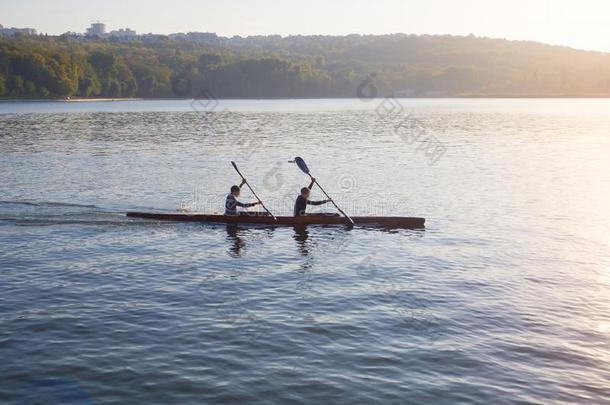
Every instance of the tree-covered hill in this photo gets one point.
(299, 66)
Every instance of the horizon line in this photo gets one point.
(474, 35)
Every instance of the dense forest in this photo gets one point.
(298, 66)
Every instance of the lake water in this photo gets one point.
(504, 297)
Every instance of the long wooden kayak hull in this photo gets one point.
(264, 219)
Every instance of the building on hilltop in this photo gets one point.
(152, 38)
(97, 29)
(198, 37)
(126, 34)
(74, 36)
(11, 32)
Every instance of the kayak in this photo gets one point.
(263, 218)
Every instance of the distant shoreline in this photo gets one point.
(84, 100)
(469, 96)
(298, 67)
(70, 100)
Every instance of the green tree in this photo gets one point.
(15, 86)
(112, 88)
(103, 62)
(44, 92)
(148, 86)
(29, 88)
(129, 86)
(209, 60)
(88, 86)
(297, 66)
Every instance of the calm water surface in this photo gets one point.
(504, 297)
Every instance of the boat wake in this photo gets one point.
(45, 204)
(41, 213)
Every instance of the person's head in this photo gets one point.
(305, 192)
(235, 191)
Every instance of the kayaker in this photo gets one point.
(231, 203)
(302, 201)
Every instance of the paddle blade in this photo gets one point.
(302, 165)
(234, 165)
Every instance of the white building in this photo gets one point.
(97, 29)
(200, 37)
(14, 31)
(126, 33)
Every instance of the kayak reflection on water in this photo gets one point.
(301, 234)
(237, 242)
(239, 238)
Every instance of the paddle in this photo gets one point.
(247, 184)
(303, 166)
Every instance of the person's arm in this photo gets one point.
(243, 181)
(317, 202)
(312, 183)
(246, 205)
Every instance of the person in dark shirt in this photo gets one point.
(232, 203)
(302, 201)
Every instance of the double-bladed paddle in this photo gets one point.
(253, 193)
(303, 166)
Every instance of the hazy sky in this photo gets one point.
(577, 23)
